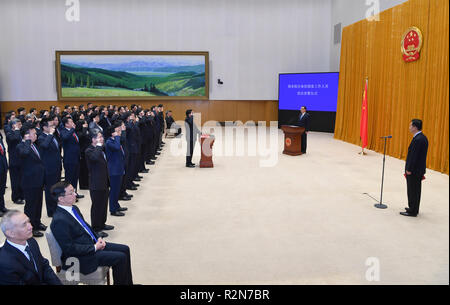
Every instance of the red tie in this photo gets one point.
(35, 150)
(76, 138)
(1, 150)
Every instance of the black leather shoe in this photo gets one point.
(135, 184)
(144, 171)
(150, 162)
(128, 195)
(42, 227)
(132, 188)
(137, 179)
(20, 201)
(157, 154)
(124, 198)
(102, 234)
(190, 165)
(80, 196)
(407, 214)
(37, 234)
(117, 213)
(140, 177)
(108, 227)
(122, 209)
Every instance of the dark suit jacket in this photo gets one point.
(304, 122)
(133, 138)
(98, 168)
(3, 161)
(169, 121)
(191, 130)
(13, 138)
(74, 240)
(416, 160)
(104, 122)
(115, 157)
(70, 145)
(33, 170)
(16, 269)
(50, 154)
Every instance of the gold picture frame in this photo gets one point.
(132, 75)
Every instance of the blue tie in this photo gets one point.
(83, 224)
(56, 143)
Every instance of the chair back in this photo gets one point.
(55, 249)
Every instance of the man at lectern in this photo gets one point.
(191, 136)
(303, 121)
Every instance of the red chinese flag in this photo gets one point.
(364, 119)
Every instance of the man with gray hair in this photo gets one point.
(21, 261)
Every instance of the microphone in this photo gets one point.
(386, 137)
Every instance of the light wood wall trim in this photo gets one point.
(217, 110)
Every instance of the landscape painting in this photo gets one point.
(132, 75)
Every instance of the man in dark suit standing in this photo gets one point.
(134, 147)
(21, 261)
(98, 183)
(415, 167)
(13, 138)
(71, 147)
(51, 157)
(115, 156)
(3, 174)
(77, 239)
(303, 121)
(191, 136)
(33, 174)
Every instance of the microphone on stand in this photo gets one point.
(380, 205)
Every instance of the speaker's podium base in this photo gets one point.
(292, 140)
(206, 143)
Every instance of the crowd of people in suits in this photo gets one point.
(103, 149)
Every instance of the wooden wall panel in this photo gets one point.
(397, 91)
(220, 111)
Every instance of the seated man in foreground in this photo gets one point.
(21, 261)
(77, 239)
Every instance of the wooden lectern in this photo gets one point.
(292, 140)
(206, 142)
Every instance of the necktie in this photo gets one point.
(121, 148)
(56, 143)
(85, 226)
(27, 249)
(75, 135)
(1, 149)
(35, 150)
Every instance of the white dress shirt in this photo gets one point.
(21, 248)
(69, 210)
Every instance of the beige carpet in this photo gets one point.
(304, 221)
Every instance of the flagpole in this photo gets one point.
(365, 97)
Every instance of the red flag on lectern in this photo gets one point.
(364, 119)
